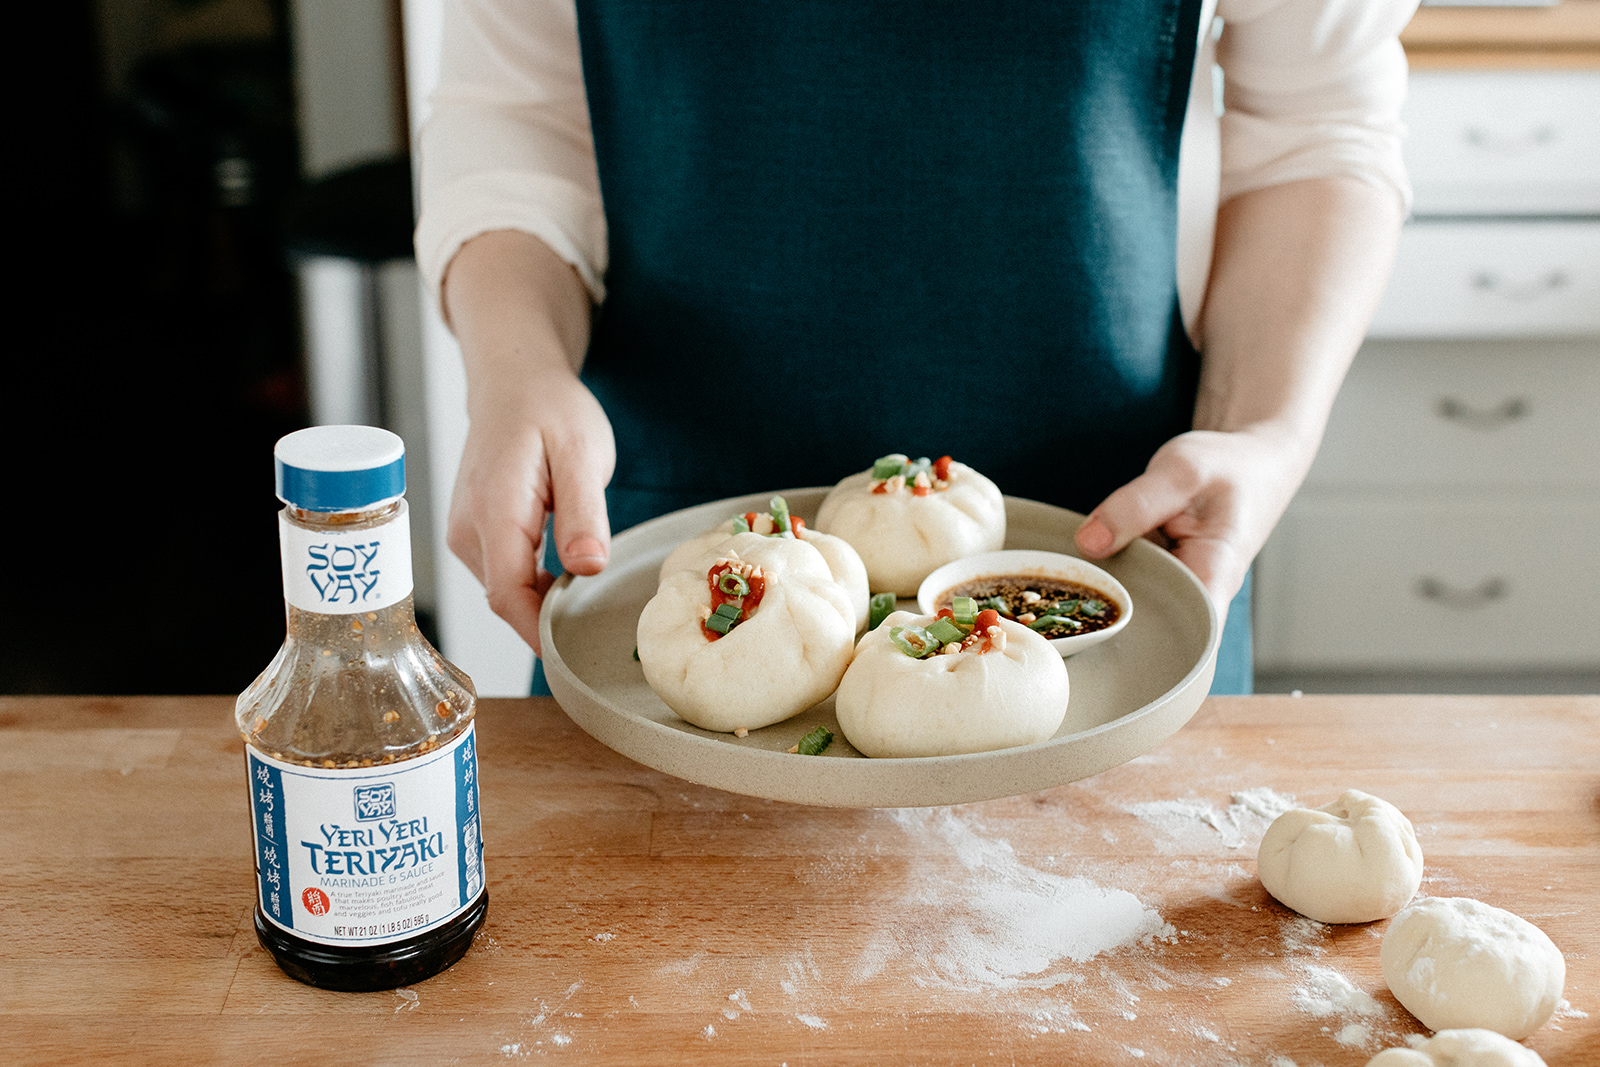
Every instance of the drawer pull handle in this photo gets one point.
(1531, 141)
(1438, 592)
(1487, 281)
(1475, 418)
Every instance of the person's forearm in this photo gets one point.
(1297, 273)
(538, 444)
(519, 311)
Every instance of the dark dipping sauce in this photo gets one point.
(1083, 609)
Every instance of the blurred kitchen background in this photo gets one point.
(214, 226)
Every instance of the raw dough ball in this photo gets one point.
(1461, 1048)
(890, 704)
(843, 561)
(902, 537)
(1351, 861)
(1459, 963)
(786, 656)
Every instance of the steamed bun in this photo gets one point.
(1352, 861)
(1461, 1048)
(787, 655)
(891, 704)
(1457, 963)
(908, 524)
(843, 561)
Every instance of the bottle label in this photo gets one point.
(341, 572)
(366, 856)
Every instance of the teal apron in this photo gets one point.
(844, 228)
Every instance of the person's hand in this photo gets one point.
(545, 450)
(1211, 497)
(538, 444)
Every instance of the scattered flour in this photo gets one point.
(1003, 924)
(1354, 1035)
(1324, 991)
(1194, 822)
(1300, 934)
(813, 1021)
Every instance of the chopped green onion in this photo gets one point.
(740, 525)
(921, 465)
(720, 623)
(780, 516)
(1046, 622)
(879, 608)
(1093, 607)
(733, 584)
(1063, 607)
(814, 742)
(636, 653)
(728, 610)
(887, 467)
(995, 603)
(914, 641)
(965, 609)
(945, 631)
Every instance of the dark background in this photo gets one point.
(158, 361)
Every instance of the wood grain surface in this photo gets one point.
(1565, 36)
(638, 919)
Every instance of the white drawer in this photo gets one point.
(1504, 142)
(1510, 414)
(1494, 279)
(1479, 582)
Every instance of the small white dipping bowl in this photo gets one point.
(1031, 564)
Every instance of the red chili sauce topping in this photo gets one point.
(747, 603)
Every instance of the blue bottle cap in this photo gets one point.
(340, 468)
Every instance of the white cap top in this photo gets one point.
(339, 468)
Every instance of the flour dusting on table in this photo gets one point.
(1196, 822)
(1002, 923)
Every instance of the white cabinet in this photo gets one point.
(1504, 142)
(1451, 518)
(1493, 278)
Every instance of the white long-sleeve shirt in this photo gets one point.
(1314, 89)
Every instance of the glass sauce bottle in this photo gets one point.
(359, 737)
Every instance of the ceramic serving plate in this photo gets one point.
(1135, 691)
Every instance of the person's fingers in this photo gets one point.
(1144, 504)
(511, 576)
(1217, 563)
(461, 535)
(578, 476)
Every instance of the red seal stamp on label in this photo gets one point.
(316, 901)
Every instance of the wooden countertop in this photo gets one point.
(1566, 35)
(635, 918)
